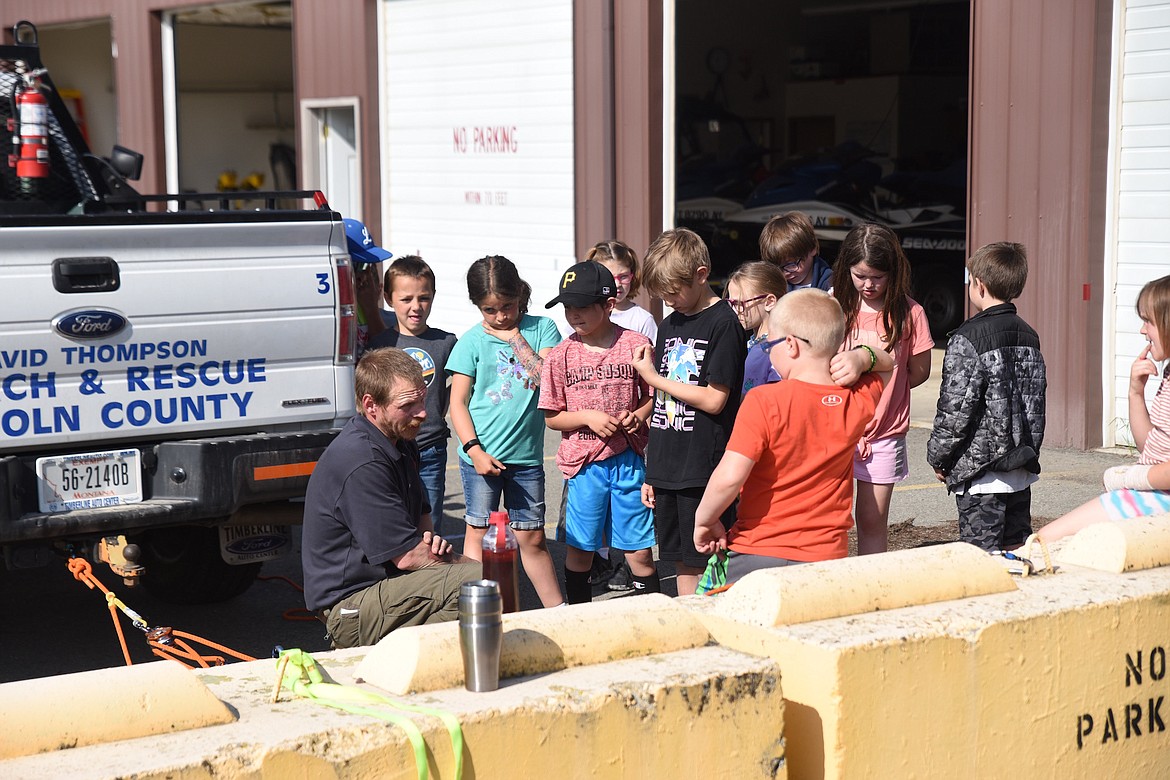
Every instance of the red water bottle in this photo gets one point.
(501, 560)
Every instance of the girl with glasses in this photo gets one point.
(752, 291)
(623, 264)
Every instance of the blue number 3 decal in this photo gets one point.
(323, 283)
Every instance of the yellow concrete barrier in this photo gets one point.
(1129, 545)
(1065, 676)
(709, 712)
(1059, 675)
(817, 591)
(426, 658)
(74, 710)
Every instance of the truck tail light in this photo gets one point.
(346, 316)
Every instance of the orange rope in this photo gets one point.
(295, 613)
(168, 650)
(83, 572)
(282, 578)
(166, 643)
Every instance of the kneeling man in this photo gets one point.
(371, 560)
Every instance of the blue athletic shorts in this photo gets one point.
(605, 506)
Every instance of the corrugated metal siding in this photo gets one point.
(1142, 176)
(335, 54)
(593, 122)
(618, 125)
(1035, 92)
(638, 100)
(638, 86)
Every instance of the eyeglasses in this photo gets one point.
(767, 345)
(743, 305)
(625, 278)
(794, 265)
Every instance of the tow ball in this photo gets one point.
(122, 557)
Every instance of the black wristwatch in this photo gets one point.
(471, 443)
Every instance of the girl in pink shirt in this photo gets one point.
(871, 281)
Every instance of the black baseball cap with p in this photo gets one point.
(584, 284)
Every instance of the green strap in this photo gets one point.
(309, 683)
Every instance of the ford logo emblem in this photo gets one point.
(89, 324)
(253, 545)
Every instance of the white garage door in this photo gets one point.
(477, 146)
(1141, 208)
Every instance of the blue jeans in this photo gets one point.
(432, 470)
(522, 488)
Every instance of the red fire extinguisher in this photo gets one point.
(32, 133)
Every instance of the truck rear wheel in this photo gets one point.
(940, 291)
(184, 566)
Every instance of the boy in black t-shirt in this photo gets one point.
(409, 288)
(701, 350)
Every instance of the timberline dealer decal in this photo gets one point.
(1143, 715)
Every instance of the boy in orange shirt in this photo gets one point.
(791, 450)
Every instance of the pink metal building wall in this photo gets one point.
(1039, 130)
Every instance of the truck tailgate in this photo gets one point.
(213, 327)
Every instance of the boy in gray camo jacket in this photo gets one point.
(990, 420)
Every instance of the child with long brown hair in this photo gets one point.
(871, 281)
(495, 383)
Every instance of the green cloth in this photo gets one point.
(715, 575)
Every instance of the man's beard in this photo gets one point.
(401, 431)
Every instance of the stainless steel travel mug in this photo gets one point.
(481, 633)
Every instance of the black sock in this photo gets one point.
(647, 584)
(577, 587)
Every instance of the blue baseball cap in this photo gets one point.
(361, 246)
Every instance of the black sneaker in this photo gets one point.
(600, 573)
(622, 579)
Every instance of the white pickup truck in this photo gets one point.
(171, 367)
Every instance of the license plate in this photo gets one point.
(89, 480)
(251, 543)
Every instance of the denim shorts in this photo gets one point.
(432, 470)
(522, 488)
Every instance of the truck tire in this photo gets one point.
(184, 566)
(941, 293)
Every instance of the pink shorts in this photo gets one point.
(886, 464)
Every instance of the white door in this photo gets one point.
(477, 142)
(333, 163)
(1140, 160)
